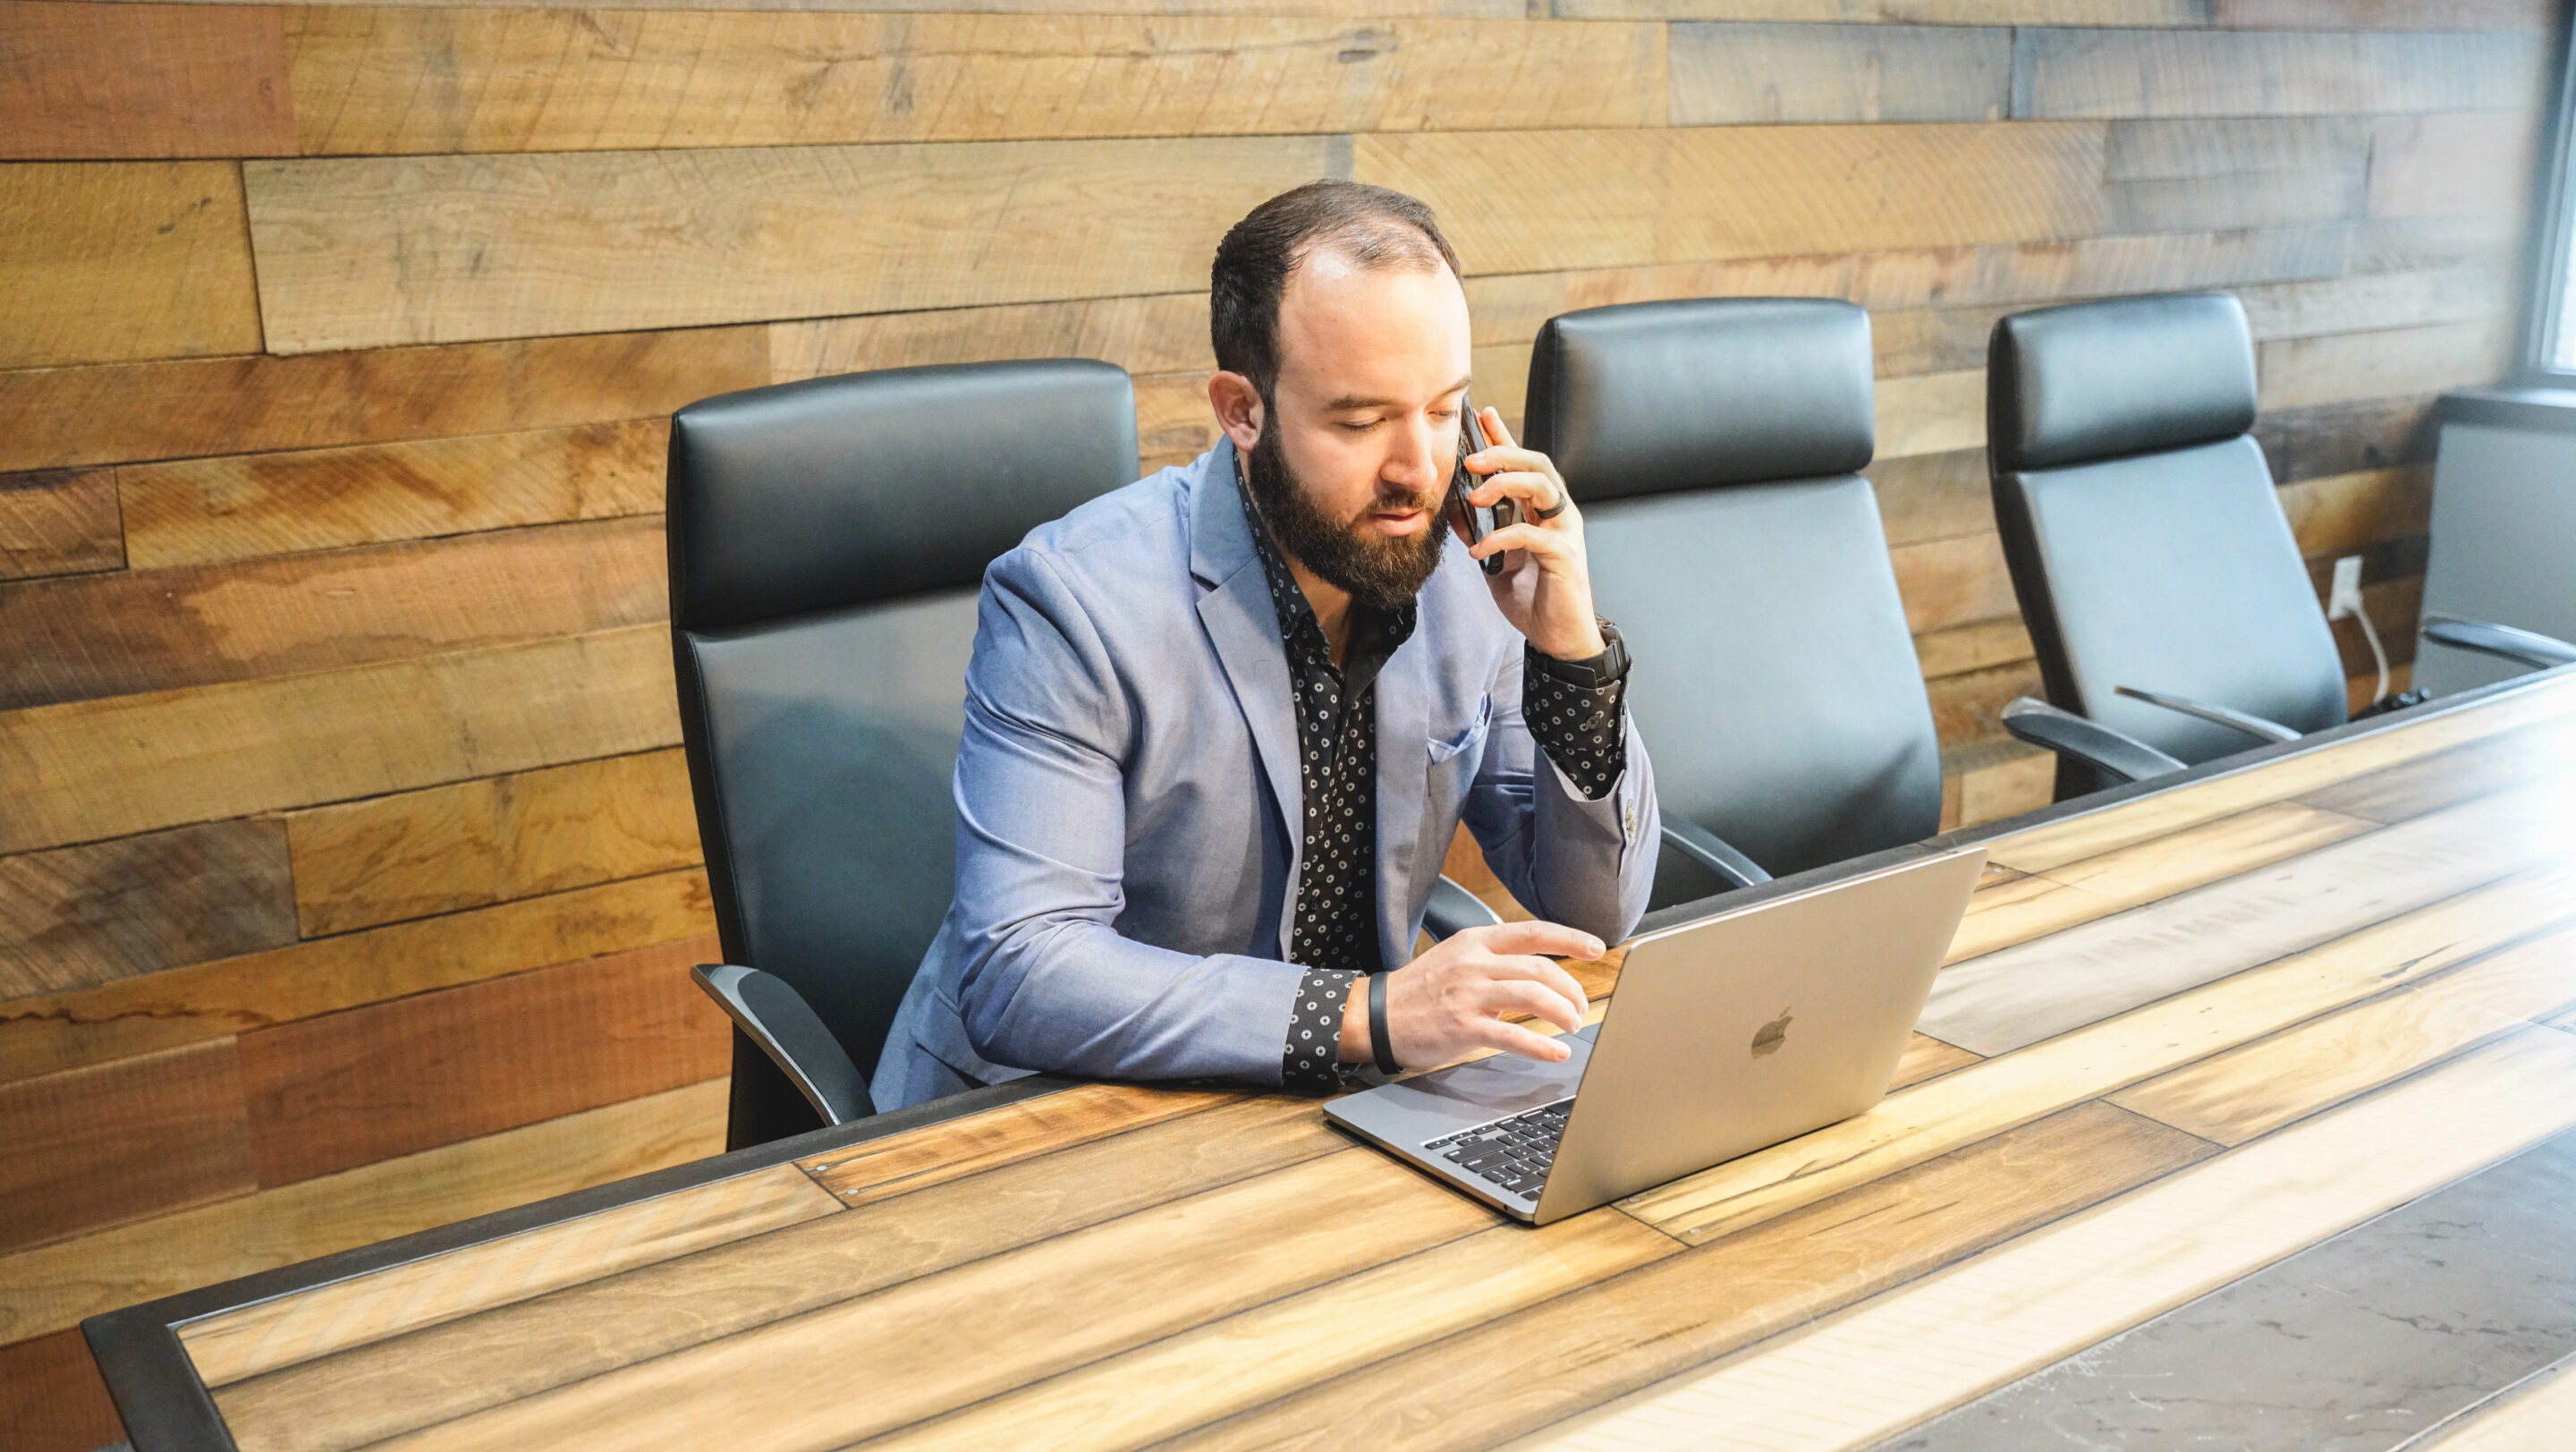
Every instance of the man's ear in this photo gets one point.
(1238, 409)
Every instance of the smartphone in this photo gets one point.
(1479, 523)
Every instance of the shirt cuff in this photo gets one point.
(1579, 727)
(1311, 1061)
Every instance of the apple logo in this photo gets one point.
(1768, 1038)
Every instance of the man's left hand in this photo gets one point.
(1545, 589)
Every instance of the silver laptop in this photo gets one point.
(1726, 1034)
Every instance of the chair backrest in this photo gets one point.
(1713, 445)
(828, 540)
(2140, 525)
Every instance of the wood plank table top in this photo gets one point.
(2190, 1042)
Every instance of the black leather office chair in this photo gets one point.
(828, 540)
(2165, 597)
(1714, 445)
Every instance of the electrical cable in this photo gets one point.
(2369, 633)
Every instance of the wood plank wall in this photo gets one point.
(347, 871)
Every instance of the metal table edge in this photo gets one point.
(167, 1407)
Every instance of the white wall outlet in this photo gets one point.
(2345, 596)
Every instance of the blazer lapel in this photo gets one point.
(1244, 627)
(1403, 736)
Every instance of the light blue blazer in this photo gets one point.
(1129, 810)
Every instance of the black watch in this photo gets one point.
(1594, 672)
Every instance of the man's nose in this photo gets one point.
(1420, 458)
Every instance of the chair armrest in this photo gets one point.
(2254, 726)
(769, 1010)
(1453, 909)
(2088, 741)
(1713, 852)
(2540, 652)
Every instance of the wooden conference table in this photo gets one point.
(2198, 1040)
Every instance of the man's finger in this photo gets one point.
(1511, 1038)
(1538, 539)
(1493, 418)
(1532, 997)
(1538, 937)
(1501, 460)
(1545, 972)
(1537, 489)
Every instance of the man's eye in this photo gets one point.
(1359, 426)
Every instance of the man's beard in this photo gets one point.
(1379, 571)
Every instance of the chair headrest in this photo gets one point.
(841, 491)
(2096, 380)
(1649, 398)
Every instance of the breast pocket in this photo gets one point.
(1453, 765)
(1470, 742)
(1449, 774)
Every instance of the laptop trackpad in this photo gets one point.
(1444, 1101)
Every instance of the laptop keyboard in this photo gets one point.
(1514, 1153)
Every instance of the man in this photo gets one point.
(1222, 724)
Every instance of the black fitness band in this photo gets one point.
(1386, 1063)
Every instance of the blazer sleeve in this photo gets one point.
(1586, 864)
(1045, 981)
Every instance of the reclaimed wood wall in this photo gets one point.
(347, 871)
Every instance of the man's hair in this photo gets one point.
(1373, 226)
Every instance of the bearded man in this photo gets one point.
(1222, 724)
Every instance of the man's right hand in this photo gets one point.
(1450, 1001)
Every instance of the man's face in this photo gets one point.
(1354, 460)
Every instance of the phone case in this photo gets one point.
(1480, 522)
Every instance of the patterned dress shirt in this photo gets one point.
(1334, 932)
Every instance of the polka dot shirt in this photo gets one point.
(1334, 931)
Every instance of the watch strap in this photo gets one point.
(1592, 672)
